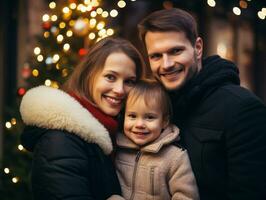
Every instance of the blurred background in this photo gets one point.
(41, 41)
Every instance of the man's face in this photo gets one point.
(172, 57)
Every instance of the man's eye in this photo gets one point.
(175, 51)
(110, 77)
(155, 56)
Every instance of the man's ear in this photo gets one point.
(199, 48)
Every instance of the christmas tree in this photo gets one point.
(69, 29)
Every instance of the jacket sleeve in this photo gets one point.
(246, 150)
(181, 182)
(60, 168)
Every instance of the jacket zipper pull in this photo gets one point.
(137, 156)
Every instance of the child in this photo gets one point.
(149, 163)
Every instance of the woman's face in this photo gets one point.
(112, 84)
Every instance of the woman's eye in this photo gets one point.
(130, 82)
(110, 77)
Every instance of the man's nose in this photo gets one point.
(167, 61)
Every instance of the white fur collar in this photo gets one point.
(51, 108)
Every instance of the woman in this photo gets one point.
(70, 131)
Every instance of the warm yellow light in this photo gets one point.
(99, 11)
(35, 72)
(13, 121)
(121, 4)
(92, 36)
(62, 25)
(93, 23)
(6, 170)
(64, 72)
(236, 11)
(83, 9)
(40, 58)
(114, 13)
(54, 18)
(46, 34)
(71, 22)
(261, 15)
(45, 17)
(57, 66)
(263, 10)
(110, 31)
(15, 179)
(93, 14)
(54, 85)
(37, 50)
(48, 82)
(69, 33)
(105, 14)
(66, 10)
(102, 32)
(100, 25)
(243, 4)
(66, 47)
(8, 125)
(60, 38)
(56, 57)
(73, 6)
(52, 5)
(211, 3)
(20, 147)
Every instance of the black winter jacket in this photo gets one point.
(70, 146)
(223, 127)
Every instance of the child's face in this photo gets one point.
(143, 124)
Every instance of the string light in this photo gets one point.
(73, 6)
(69, 33)
(45, 17)
(105, 14)
(8, 125)
(100, 25)
(92, 36)
(52, 5)
(37, 50)
(66, 47)
(121, 4)
(211, 3)
(40, 58)
(261, 15)
(48, 60)
(13, 121)
(65, 10)
(236, 11)
(15, 179)
(20, 147)
(35, 72)
(56, 57)
(64, 72)
(54, 18)
(47, 82)
(93, 14)
(60, 38)
(46, 34)
(99, 11)
(62, 25)
(113, 13)
(110, 31)
(6, 170)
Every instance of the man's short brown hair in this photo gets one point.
(169, 20)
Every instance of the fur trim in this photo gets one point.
(51, 108)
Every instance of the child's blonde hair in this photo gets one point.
(153, 93)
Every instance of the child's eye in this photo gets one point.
(150, 117)
(110, 77)
(132, 116)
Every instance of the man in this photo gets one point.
(223, 126)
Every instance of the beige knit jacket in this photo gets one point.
(158, 171)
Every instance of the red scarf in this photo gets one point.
(110, 123)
